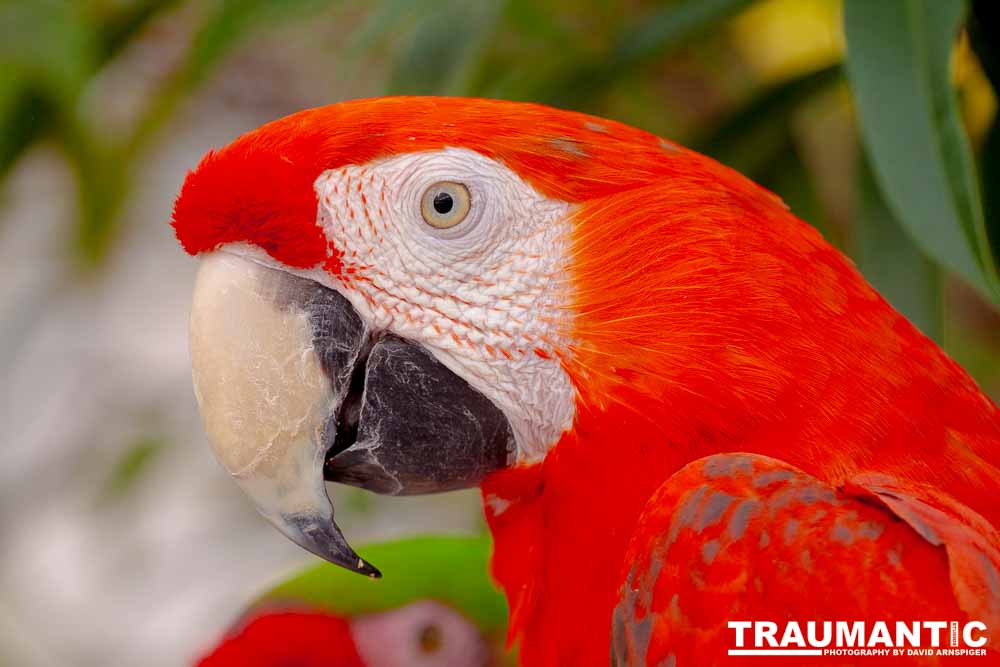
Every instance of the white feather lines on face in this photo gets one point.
(485, 296)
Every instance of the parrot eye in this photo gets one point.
(430, 638)
(445, 204)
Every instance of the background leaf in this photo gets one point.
(990, 176)
(984, 34)
(649, 37)
(753, 134)
(117, 24)
(452, 570)
(131, 468)
(104, 170)
(443, 48)
(892, 263)
(226, 26)
(49, 42)
(24, 117)
(898, 64)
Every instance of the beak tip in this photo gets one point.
(369, 570)
(321, 536)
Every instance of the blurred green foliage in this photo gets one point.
(51, 53)
(452, 570)
(984, 33)
(132, 465)
(926, 209)
(899, 62)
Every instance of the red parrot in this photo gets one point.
(684, 408)
(441, 610)
(304, 638)
(421, 634)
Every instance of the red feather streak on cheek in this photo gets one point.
(334, 264)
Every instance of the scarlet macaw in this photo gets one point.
(420, 634)
(682, 405)
(442, 609)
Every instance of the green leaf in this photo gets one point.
(104, 172)
(646, 39)
(984, 34)
(50, 44)
(134, 463)
(989, 165)
(664, 30)
(443, 47)
(118, 25)
(451, 570)
(385, 17)
(233, 20)
(898, 64)
(103, 179)
(536, 20)
(977, 352)
(227, 25)
(753, 134)
(892, 263)
(24, 117)
(787, 176)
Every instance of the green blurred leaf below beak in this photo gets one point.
(450, 570)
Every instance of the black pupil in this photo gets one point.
(443, 203)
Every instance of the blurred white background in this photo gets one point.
(122, 542)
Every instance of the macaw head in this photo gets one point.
(442, 610)
(408, 294)
(421, 634)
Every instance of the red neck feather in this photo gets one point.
(710, 320)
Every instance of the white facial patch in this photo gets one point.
(422, 634)
(487, 297)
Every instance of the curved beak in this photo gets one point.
(296, 389)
